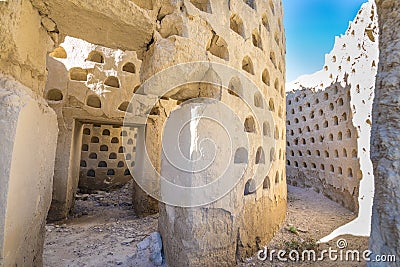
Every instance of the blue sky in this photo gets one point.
(311, 27)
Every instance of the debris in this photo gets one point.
(127, 241)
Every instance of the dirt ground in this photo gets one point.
(311, 216)
(104, 230)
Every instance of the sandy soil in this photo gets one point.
(104, 230)
(314, 217)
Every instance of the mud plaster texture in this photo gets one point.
(329, 116)
(89, 82)
(103, 165)
(167, 33)
(26, 172)
(385, 152)
(93, 85)
(190, 234)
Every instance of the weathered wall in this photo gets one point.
(96, 81)
(26, 164)
(28, 31)
(117, 24)
(322, 156)
(152, 138)
(88, 83)
(322, 144)
(189, 234)
(103, 155)
(97, 92)
(29, 130)
(385, 151)
(239, 223)
(25, 44)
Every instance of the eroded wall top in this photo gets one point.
(115, 24)
(352, 64)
